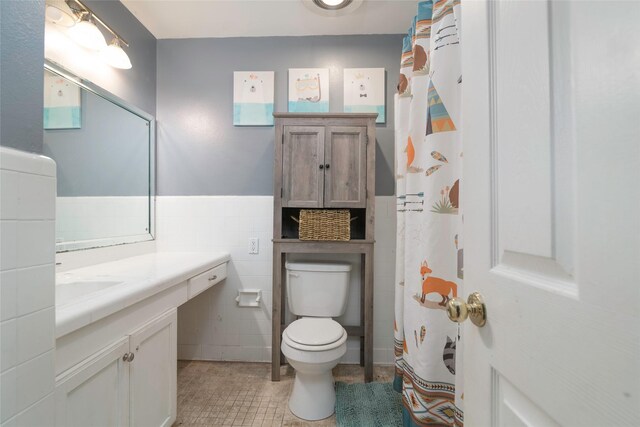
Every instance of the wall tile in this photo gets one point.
(36, 197)
(9, 194)
(8, 340)
(35, 334)
(35, 291)
(34, 380)
(212, 326)
(27, 239)
(8, 244)
(39, 414)
(8, 389)
(8, 294)
(31, 247)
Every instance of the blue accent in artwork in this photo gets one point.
(61, 118)
(252, 114)
(367, 109)
(308, 107)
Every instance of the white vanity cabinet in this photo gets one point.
(96, 392)
(153, 372)
(131, 382)
(116, 349)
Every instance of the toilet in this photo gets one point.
(315, 343)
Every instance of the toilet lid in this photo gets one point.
(314, 331)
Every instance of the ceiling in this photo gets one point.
(170, 19)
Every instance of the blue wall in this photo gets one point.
(200, 152)
(21, 74)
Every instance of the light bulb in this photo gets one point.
(86, 34)
(332, 4)
(115, 56)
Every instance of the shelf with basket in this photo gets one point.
(324, 180)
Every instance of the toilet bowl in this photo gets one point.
(313, 347)
(314, 344)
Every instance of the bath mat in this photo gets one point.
(371, 404)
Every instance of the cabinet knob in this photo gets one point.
(128, 357)
(321, 166)
(326, 166)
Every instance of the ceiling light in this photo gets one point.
(115, 56)
(58, 12)
(332, 4)
(86, 34)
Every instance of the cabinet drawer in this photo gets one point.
(207, 279)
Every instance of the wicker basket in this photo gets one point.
(322, 224)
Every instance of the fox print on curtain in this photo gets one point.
(429, 260)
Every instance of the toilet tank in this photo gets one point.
(317, 289)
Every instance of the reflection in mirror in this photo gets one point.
(104, 155)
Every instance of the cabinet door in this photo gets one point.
(345, 158)
(303, 157)
(95, 392)
(154, 372)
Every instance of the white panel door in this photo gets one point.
(154, 372)
(552, 212)
(96, 392)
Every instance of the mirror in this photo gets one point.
(104, 150)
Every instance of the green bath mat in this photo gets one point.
(372, 404)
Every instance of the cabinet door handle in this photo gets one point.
(326, 166)
(212, 278)
(128, 357)
(321, 166)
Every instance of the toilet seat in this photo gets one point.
(314, 334)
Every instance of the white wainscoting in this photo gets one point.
(212, 327)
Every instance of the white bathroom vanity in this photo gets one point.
(116, 336)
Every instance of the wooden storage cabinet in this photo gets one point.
(324, 161)
(131, 382)
(324, 166)
(345, 167)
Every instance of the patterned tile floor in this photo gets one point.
(242, 394)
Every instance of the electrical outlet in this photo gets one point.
(253, 245)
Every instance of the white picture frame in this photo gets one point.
(364, 91)
(253, 95)
(308, 90)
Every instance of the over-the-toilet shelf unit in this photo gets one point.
(326, 161)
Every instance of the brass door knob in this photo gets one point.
(474, 308)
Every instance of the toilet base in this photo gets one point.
(313, 396)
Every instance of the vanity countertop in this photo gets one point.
(91, 293)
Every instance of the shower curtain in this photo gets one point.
(429, 256)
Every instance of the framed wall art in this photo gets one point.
(253, 93)
(364, 91)
(62, 103)
(308, 90)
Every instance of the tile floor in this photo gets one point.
(242, 394)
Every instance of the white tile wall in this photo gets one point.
(212, 327)
(27, 251)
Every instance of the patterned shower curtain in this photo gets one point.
(429, 264)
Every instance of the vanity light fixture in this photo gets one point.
(332, 4)
(58, 12)
(115, 56)
(86, 34)
(84, 30)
